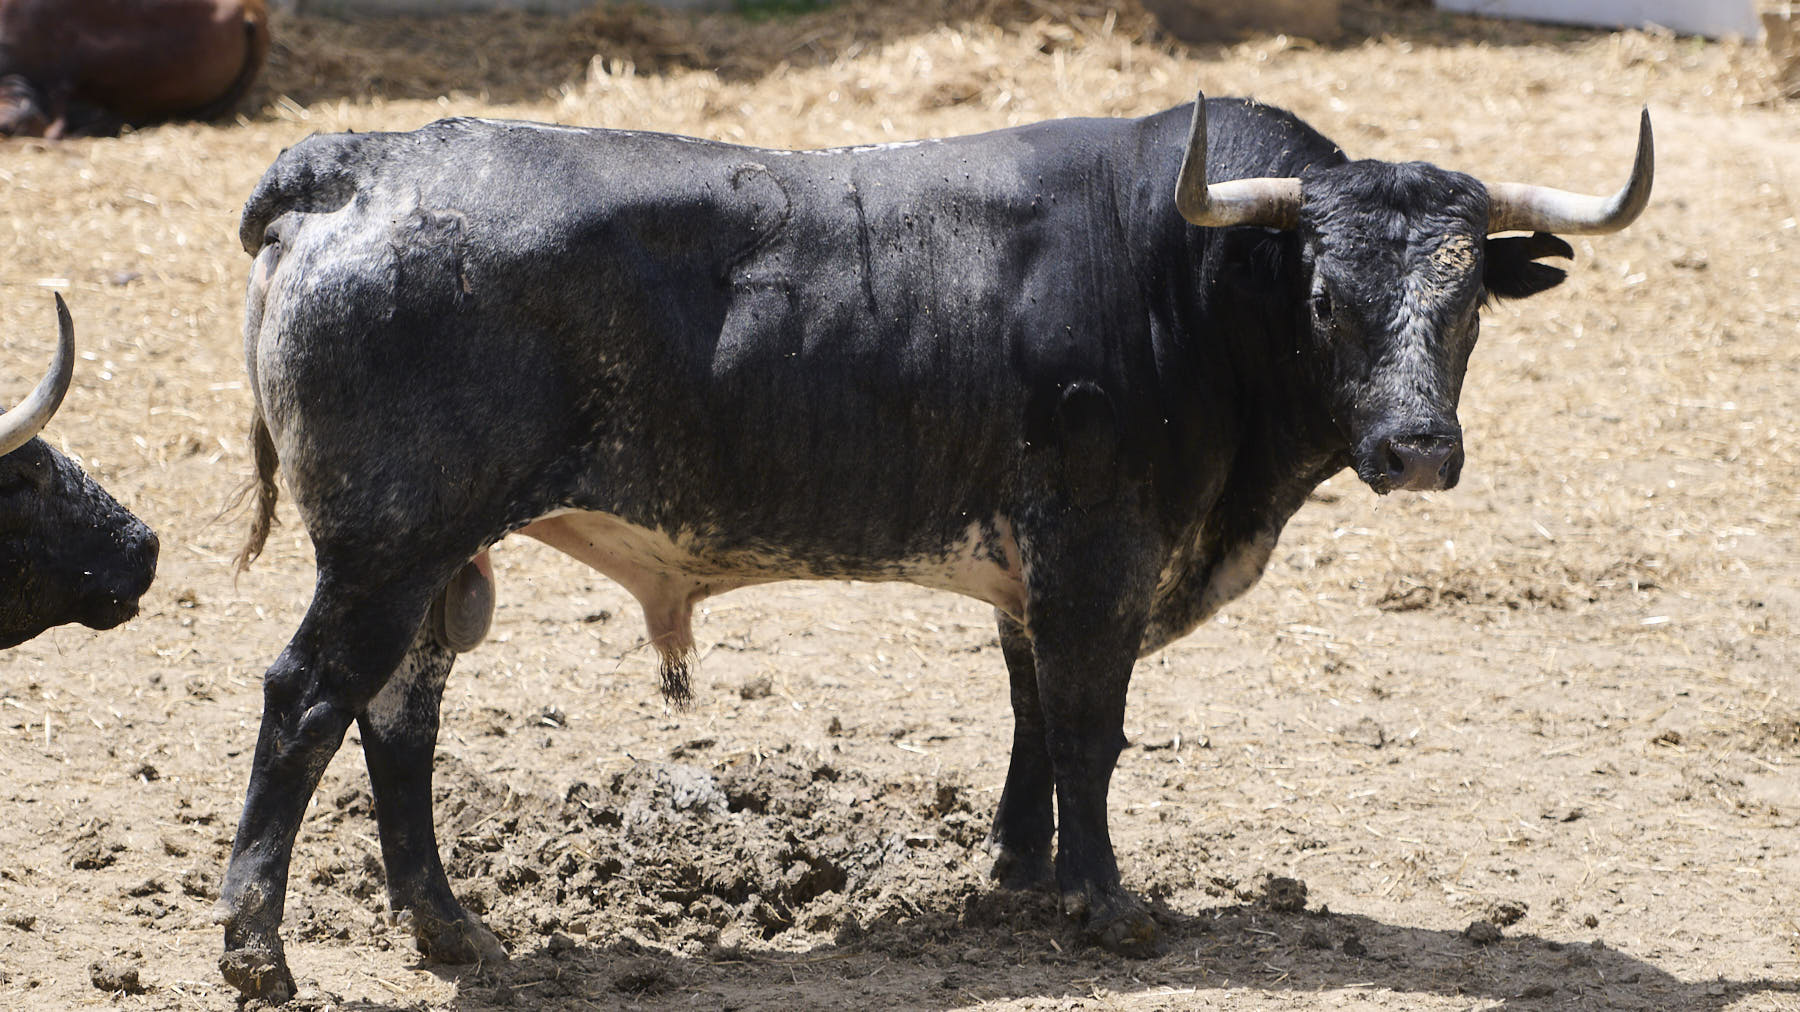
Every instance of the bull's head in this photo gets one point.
(1399, 258)
(68, 552)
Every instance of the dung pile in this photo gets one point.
(779, 850)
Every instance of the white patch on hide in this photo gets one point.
(1425, 292)
(669, 575)
(385, 709)
(1235, 572)
(1180, 606)
(665, 575)
(968, 568)
(388, 708)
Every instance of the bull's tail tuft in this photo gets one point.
(262, 447)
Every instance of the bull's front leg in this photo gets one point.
(345, 649)
(1088, 598)
(1023, 823)
(399, 736)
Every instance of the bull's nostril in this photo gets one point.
(1391, 461)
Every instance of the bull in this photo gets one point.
(83, 67)
(68, 551)
(1082, 370)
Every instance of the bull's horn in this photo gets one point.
(33, 413)
(1527, 208)
(1268, 202)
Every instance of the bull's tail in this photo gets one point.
(262, 447)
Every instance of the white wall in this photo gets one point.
(1695, 17)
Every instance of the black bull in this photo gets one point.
(68, 551)
(1038, 366)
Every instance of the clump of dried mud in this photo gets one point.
(784, 849)
(789, 848)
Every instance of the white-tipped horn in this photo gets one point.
(30, 416)
(1271, 202)
(1527, 208)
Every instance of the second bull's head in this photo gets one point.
(68, 551)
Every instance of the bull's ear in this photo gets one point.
(1512, 268)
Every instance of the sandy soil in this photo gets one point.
(1559, 701)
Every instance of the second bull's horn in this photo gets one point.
(30, 416)
(1527, 208)
(1271, 202)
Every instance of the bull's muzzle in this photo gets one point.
(1417, 463)
(114, 596)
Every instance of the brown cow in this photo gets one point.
(84, 67)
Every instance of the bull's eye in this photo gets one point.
(1321, 305)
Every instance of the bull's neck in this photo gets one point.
(1257, 425)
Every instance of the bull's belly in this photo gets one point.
(669, 575)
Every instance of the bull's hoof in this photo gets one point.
(258, 973)
(1117, 923)
(1020, 870)
(464, 940)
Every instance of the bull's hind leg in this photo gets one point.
(351, 640)
(399, 735)
(1023, 823)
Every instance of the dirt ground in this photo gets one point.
(1560, 701)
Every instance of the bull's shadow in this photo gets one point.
(511, 57)
(1008, 946)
